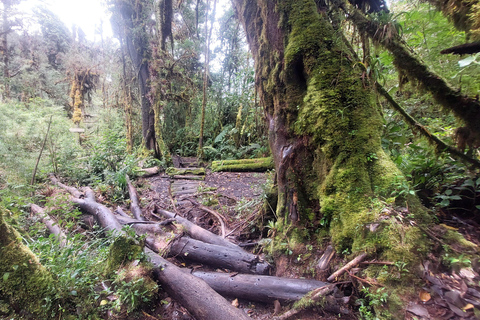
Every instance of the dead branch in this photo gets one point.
(194, 294)
(213, 212)
(197, 232)
(346, 267)
(134, 203)
(51, 224)
(314, 297)
(73, 191)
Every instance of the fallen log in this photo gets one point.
(217, 256)
(197, 232)
(259, 288)
(193, 293)
(147, 172)
(259, 165)
(188, 177)
(134, 203)
(185, 248)
(51, 224)
(185, 171)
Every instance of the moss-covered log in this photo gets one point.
(249, 165)
(25, 285)
(171, 171)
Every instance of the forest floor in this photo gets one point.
(237, 199)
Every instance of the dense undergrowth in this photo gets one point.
(98, 158)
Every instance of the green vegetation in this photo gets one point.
(352, 172)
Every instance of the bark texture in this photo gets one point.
(324, 128)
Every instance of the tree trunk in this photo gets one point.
(25, 283)
(6, 59)
(324, 125)
(135, 35)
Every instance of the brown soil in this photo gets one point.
(238, 197)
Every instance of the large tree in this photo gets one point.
(324, 126)
(132, 20)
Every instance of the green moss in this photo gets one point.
(25, 285)
(329, 103)
(454, 237)
(260, 164)
(177, 171)
(123, 250)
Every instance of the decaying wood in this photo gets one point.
(148, 172)
(194, 294)
(197, 232)
(164, 242)
(213, 212)
(327, 256)
(189, 177)
(185, 171)
(314, 297)
(348, 266)
(51, 224)
(259, 288)
(134, 203)
(260, 165)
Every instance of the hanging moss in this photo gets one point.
(26, 287)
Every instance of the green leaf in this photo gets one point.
(466, 62)
(5, 276)
(468, 183)
(444, 203)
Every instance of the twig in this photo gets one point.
(363, 280)
(41, 151)
(172, 200)
(348, 266)
(215, 213)
(314, 296)
(387, 263)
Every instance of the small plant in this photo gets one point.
(372, 299)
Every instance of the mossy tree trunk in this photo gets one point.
(324, 124)
(26, 287)
(132, 18)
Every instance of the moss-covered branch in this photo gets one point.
(415, 125)
(465, 108)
